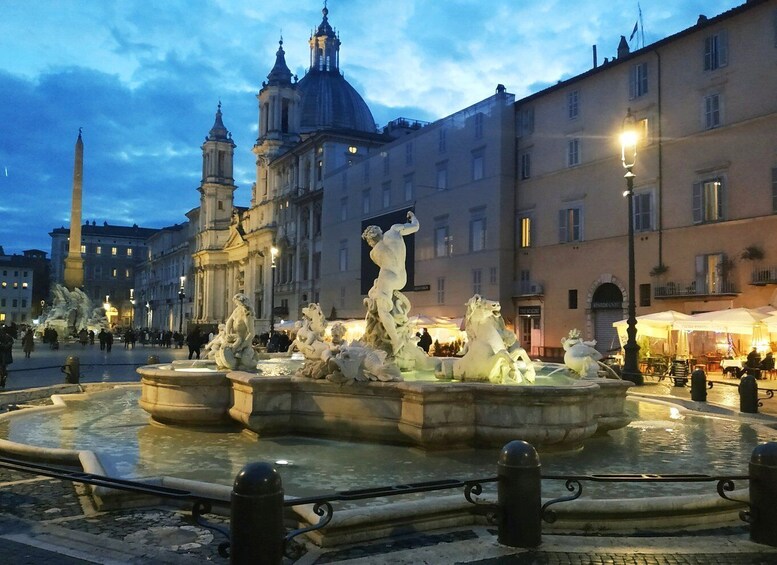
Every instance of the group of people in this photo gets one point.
(754, 361)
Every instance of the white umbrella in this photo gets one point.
(733, 320)
(657, 325)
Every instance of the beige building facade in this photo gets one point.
(705, 193)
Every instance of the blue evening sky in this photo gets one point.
(144, 79)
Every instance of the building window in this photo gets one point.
(440, 290)
(319, 170)
(570, 226)
(477, 165)
(409, 153)
(525, 124)
(386, 194)
(712, 111)
(644, 294)
(710, 275)
(638, 80)
(114, 251)
(343, 256)
(525, 237)
(344, 208)
(366, 171)
(386, 163)
(83, 249)
(366, 201)
(129, 251)
(98, 249)
(442, 176)
(442, 241)
(126, 273)
(477, 231)
(708, 200)
(24, 285)
(573, 104)
(573, 152)
(479, 125)
(16, 285)
(24, 303)
(774, 189)
(477, 286)
(525, 165)
(409, 192)
(492, 275)
(572, 298)
(715, 51)
(14, 303)
(442, 140)
(643, 211)
(114, 273)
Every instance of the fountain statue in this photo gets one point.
(498, 394)
(72, 310)
(492, 352)
(387, 326)
(232, 347)
(580, 356)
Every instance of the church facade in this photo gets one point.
(323, 172)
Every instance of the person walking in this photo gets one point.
(6, 356)
(101, 336)
(194, 341)
(28, 343)
(108, 341)
(83, 337)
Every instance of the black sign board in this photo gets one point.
(533, 311)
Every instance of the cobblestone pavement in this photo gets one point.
(45, 520)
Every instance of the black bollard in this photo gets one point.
(256, 520)
(519, 495)
(748, 394)
(763, 494)
(152, 360)
(699, 386)
(72, 370)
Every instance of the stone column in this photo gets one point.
(74, 262)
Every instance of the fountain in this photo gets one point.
(384, 388)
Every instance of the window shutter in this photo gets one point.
(708, 53)
(722, 48)
(700, 273)
(562, 226)
(697, 203)
(720, 193)
(774, 187)
(633, 81)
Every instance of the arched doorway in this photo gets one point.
(606, 308)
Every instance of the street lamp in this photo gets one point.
(181, 296)
(132, 311)
(107, 308)
(629, 139)
(148, 314)
(273, 255)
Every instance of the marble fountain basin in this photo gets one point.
(555, 411)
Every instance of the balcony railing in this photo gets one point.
(679, 289)
(764, 275)
(528, 288)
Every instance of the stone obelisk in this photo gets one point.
(74, 262)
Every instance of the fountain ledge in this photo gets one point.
(426, 414)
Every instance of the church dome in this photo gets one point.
(328, 101)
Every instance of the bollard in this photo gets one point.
(699, 386)
(152, 360)
(748, 394)
(519, 495)
(763, 494)
(72, 370)
(256, 519)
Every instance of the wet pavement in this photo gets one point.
(46, 520)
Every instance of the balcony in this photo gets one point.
(762, 276)
(528, 288)
(693, 289)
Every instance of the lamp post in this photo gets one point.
(148, 314)
(107, 308)
(181, 296)
(273, 255)
(629, 139)
(132, 311)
